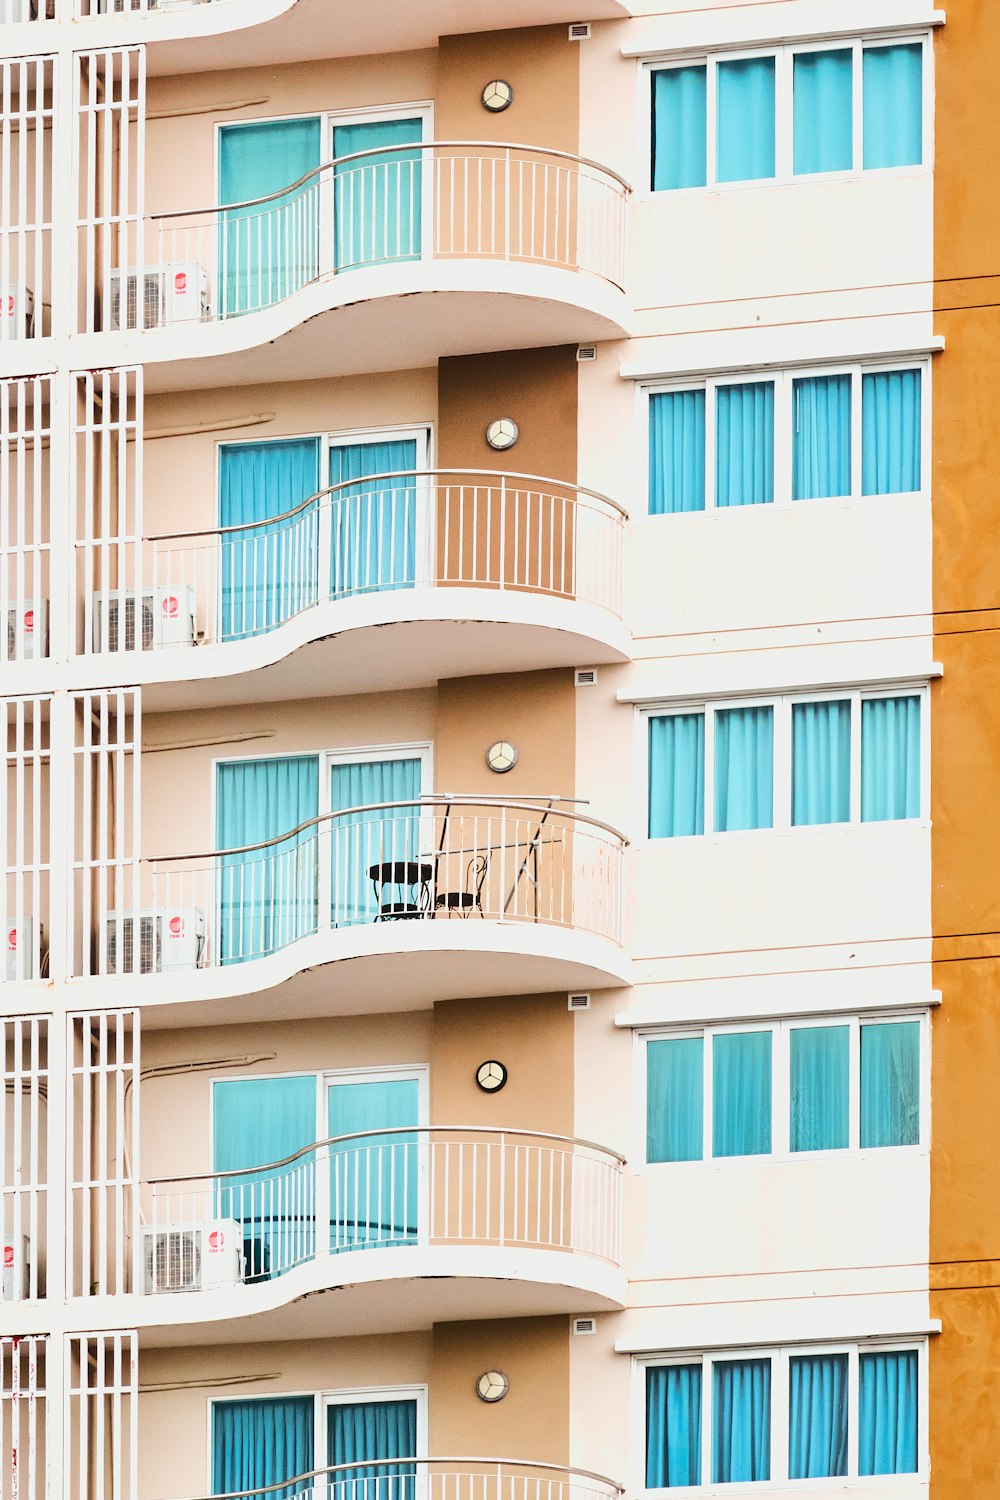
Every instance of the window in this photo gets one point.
(784, 1088)
(845, 759)
(852, 107)
(852, 1411)
(843, 433)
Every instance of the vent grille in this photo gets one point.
(586, 352)
(173, 1261)
(579, 31)
(149, 945)
(578, 1002)
(153, 311)
(119, 634)
(584, 1325)
(586, 676)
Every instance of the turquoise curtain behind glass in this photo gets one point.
(823, 111)
(893, 106)
(676, 775)
(673, 1426)
(267, 898)
(821, 437)
(373, 1181)
(367, 838)
(745, 119)
(257, 1443)
(680, 133)
(890, 1084)
(890, 432)
(374, 526)
(741, 1093)
(890, 759)
(676, 452)
(741, 1420)
(887, 1416)
(821, 762)
(675, 1087)
(820, 1104)
(270, 572)
(377, 199)
(817, 1414)
(744, 444)
(268, 251)
(372, 1434)
(257, 1121)
(744, 768)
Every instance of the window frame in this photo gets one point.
(784, 66)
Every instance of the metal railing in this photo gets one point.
(438, 200)
(411, 1478)
(432, 528)
(87, 8)
(388, 1188)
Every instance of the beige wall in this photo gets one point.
(541, 65)
(533, 1419)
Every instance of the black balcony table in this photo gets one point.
(402, 889)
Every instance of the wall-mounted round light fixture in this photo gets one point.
(492, 1385)
(502, 433)
(501, 757)
(497, 95)
(491, 1076)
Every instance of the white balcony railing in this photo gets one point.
(409, 1478)
(437, 858)
(392, 532)
(391, 1188)
(442, 201)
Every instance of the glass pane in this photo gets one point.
(675, 1099)
(373, 1178)
(741, 1420)
(821, 763)
(890, 432)
(379, 869)
(256, 1444)
(893, 106)
(890, 759)
(820, 1088)
(745, 119)
(377, 199)
(679, 128)
(741, 1093)
(823, 111)
(744, 444)
(359, 1433)
(744, 768)
(821, 451)
(676, 452)
(817, 1416)
(887, 1416)
(373, 523)
(673, 1426)
(890, 1084)
(676, 775)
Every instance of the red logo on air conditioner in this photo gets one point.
(10, 307)
(12, 940)
(176, 927)
(170, 606)
(29, 621)
(8, 1257)
(180, 281)
(216, 1240)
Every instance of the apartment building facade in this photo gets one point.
(496, 513)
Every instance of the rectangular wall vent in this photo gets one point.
(584, 1325)
(579, 31)
(586, 676)
(586, 352)
(578, 1002)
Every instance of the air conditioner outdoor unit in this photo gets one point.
(17, 311)
(20, 940)
(192, 1257)
(159, 296)
(16, 1254)
(28, 630)
(168, 940)
(163, 617)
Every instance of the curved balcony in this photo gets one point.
(390, 906)
(384, 259)
(460, 571)
(475, 1222)
(406, 1478)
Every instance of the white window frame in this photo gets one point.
(781, 1029)
(780, 1356)
(784, 109)
(783, 381)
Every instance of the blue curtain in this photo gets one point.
(377, 199)
(817, 1432)
(373, 1181)
(675, 1090)
(887, 1416)
(820, 1105)
(744, 444)
(372, 1434)
(268, 251)
(823, 111)
(893, 106)
(890, 432)
(676, 452)
(673, 1426)
(741, 1093)
(257, 1443)
(741, 1420)
(676, 775)
(821, 762)
(366, 839)
(257, 1121)
(745, 119)
(374, 526)
(270, 572)
(890, 759)
(890, 1084)
(680, 134)
(744, 768)
(821, 446)
(267, 898)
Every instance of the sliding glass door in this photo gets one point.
(374, 849)
(377, 199)
(374, 1179)
(377, 1437)
(374, 523)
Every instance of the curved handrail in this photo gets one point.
(364, 1135)
(514, 1463)
(424, 800)
(338, 161)
(345, 484)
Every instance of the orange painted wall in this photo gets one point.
(542, 66)
(965, 1160)
(533, 1419)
